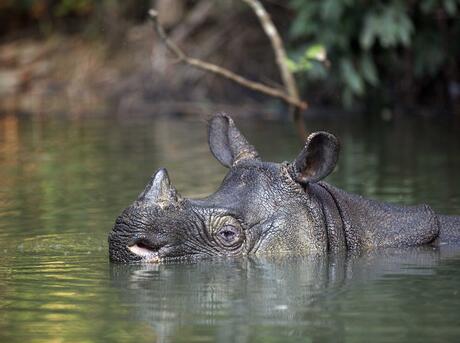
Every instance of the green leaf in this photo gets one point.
(368, 70)
(292, 66)
(316, 52)
(391, 26)
(331, 9)
(351, 77)
(450, 6)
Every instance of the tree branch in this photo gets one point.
(281, 60)
(225, 73)
(277, 45)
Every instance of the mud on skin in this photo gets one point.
(266, 208)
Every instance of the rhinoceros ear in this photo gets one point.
(159, 190)
(317, 159)
(227, 143)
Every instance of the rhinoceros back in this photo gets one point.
(450, 229)
(370, 223)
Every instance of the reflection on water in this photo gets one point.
(287, 299)
(62, 183)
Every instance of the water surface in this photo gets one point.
(63, 182)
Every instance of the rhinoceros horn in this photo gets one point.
(159, 190)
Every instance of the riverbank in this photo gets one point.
(78, 76)
(127, 72)
(66, 73)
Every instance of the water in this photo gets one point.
(63, 181)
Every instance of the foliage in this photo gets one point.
(315, 53)
(375, 47)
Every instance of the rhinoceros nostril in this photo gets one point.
(148, 252)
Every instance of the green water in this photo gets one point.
(63, 182)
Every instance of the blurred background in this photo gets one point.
(76, 57)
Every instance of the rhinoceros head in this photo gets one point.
(260, 207)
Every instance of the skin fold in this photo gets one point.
(265, 208)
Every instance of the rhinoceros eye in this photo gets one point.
(229, 235)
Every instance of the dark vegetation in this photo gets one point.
(393, 55)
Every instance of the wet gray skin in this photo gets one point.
(266, 208)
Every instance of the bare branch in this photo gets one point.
(277, 45)
(225, 73)
(281, 59)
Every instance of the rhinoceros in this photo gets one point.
(267, 208)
